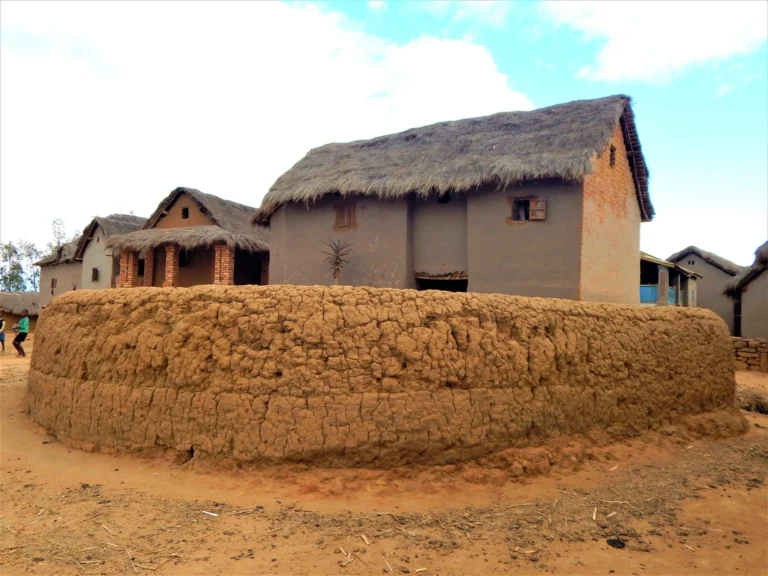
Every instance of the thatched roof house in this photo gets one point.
(191, 222)
(533, 203)
(111, 225)
(64, 254)
(723, 264)
(501, 150)
(749, 292)
(14, 302)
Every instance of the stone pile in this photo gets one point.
(751, 353)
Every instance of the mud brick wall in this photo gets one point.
(348, 376)
(750, 353)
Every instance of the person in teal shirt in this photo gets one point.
(23, 330)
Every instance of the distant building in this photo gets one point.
(60, 272)
(713, 271)
(542, 203)
(664, 283)
(749, 292)
(194, 238)
(100, 266)
(11, 305)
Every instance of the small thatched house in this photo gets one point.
(540, 203)
(100, 266)
(194, 238)
(749, 291)
(11, 305)
(60, 272)
(714, 272)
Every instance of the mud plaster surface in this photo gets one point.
(364, 376)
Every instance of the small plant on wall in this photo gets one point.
(336, 256)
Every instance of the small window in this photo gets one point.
(345, 217)
(97, 239)
(141, 267)
(524, 209)
(184, 213)
(444, 198)
(94, 274)
(613, 156)
(183, 259)
(53, 283)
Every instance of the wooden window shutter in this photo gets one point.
(538, 210)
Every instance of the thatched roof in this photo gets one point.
(560, 141)
(736, 284)
(110, 225)
(15, 302)
(64, 255)
(231, 226)
(717, 261)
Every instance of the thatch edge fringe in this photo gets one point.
(736, 284)
(186, 238)
(730, 268)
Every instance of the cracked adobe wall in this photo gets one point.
(364, 376)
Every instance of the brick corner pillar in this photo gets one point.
(129, 270)
(264, 268)
(171, 266)
(149, 266)
(223, 265)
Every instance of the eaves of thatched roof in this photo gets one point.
(653, 259)
(717, 261)
(760, 265)
(110, 226)
(231, 226)
(64, 255)
(187, 238)
(15, 302)
(504, 149)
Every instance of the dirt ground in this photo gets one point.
(654, 505)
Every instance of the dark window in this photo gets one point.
(184, 213)
(345, 217)
(97, 239)
(737, 315)
(444, 198)
(183, 259)
(53, 283)
(141, 267)
(524, 209)
(613, 156)
(94, 274)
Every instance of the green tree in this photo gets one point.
(11, 268)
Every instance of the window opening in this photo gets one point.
(94, 274)
(141, 267)
(613, 156)
(345, 217)
(53, 283)
(183, 259)
(521, 210)
(184, 213)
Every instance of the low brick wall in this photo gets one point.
(751, 353)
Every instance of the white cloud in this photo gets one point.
(651, 41)
(377, 5)
(486, 12)
(223, 97)
(723, 90)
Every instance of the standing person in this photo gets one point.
(2, 331)
(23, 330)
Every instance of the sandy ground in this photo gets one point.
(672, 506)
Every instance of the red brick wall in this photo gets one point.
(129, 270)
(223, 265)
(610, 234)
(171, 266)
(149, 267)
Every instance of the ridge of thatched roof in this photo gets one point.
(110, 225)
(15, 302)
(717, 261)
(561, 141)
(63, 255)
(187, 238)
(737, 283)
(231, 226)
